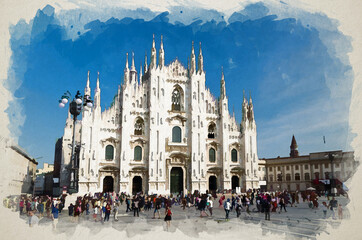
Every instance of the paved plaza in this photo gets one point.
(299, 222)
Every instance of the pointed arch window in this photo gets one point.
(139, 127)
(109, 152)
(176, 134)
(211, 130)
(177, 99)
(137, 153)
(234, 155)
(212, 155)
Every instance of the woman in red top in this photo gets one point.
(168, 214)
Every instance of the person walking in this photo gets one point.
(325, 209)
(95, 212)
(136, 207)
(282, 205)
(157, 208)
(238, 207)
(168, 217)
(210, 205)
(55, 215)
(115, 210)
(128, 203)
(227, 206)
(108, 212)
(33, 219)
(333, 205)
(266, 207)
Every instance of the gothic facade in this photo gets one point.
(164, 133)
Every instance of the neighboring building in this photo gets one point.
(314, 170)
(23, 167)
(46, 168)
(164, 133)
(44, 180)
(39, 185)
(57, 165)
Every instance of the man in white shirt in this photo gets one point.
(227, 206)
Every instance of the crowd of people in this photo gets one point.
(101, 205)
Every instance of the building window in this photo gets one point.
(177, 99)
(211, 130)
(306, 177)
(234, 155)
(287, 168)
(297, 177)
(137, 153)
(139, 126)
(296, 167)
(176, 134)
(270, 169)
(315, 166)
(326, 165)
(109, 152)
(288, 177)
(306, 167)
(280, 178)
(271, 178)
(278, 168)
(212, 157)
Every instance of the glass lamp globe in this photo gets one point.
(64, 100)
(61, 105)
(78, 101)
(89, 104)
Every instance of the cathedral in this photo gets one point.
(164, 133)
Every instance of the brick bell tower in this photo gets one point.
(294, 148)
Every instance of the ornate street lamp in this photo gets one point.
(75, 109)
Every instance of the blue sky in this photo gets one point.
(296, 69)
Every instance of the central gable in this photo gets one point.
(175, 68)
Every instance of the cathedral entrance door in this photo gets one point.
(136, 185)
(212, 184)
(234, 182)
(177, 178)
(108, 184)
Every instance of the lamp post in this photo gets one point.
(331, 157)
(75, 109)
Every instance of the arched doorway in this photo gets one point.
(136, 185)
(235, 182)
(108, 184)
(212, 184)
(176, 183)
